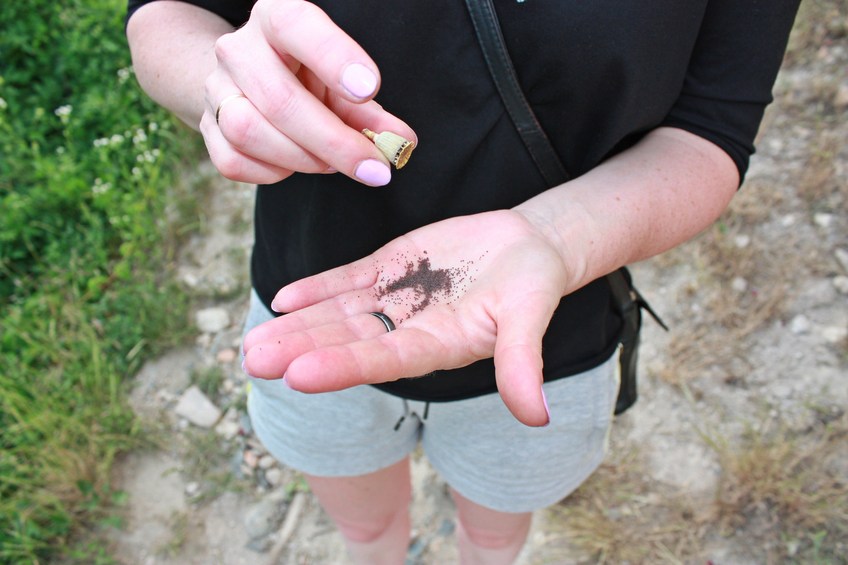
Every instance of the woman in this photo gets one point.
(465, 266)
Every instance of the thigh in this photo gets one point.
(489, 457)
(365, 506)
(338, 434)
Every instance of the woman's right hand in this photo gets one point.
(307, 94)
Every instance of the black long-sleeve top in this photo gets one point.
(599, 75)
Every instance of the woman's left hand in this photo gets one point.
(458, 291)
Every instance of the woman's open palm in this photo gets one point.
(458, 291)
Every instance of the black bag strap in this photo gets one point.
(491, 40)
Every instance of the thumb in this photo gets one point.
(518, 359)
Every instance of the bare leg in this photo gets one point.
(371, 512)
(486, 536)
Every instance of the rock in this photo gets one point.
(266, 462)
(227, 355)
(799, 324)
(842, 259)
(823, 220)
(212, 320)
(739, 284)
(227, 429)
(262, 518)
(840, 283)
(195, 407)
(251, 459)
(742, 241)
(274, 476)
(835, 334)
(192, 489)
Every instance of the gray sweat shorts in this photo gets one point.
(476, 445)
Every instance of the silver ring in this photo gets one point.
(390, 326)
(224, 101)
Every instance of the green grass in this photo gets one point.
(86, 296)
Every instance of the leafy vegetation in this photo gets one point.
(85, 161)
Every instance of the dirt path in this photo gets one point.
(759, 311)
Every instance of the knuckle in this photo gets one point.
(285, 103)
(226, 47)
(239, 128)
(292, 14)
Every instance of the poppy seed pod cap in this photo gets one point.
(396, 148)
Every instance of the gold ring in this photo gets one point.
(224, 101)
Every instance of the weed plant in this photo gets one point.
(85, 160)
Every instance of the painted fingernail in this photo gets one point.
(547, 410)
(373, 172)
(359, 81)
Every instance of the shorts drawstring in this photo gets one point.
(403, 416)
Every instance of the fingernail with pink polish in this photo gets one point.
(373, 172)
(547, 410)
(359, 81)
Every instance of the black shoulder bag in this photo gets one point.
(627, 299)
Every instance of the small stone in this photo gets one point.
(739, 284)
(266, 461)
(250, 458)
(195, 407)
(742, 241)
(274, 476)
(190, 280)
(262, 518)
(823, 220)
(787, 220)
(835, 334)
(228, 386)
(192, 489)
(212, 320)
(799, 324)
(842, 258)
(227, 355)
(841, 284)
(227, 429)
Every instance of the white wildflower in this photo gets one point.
(124, 74)
(153, 126)
(100, 187)
(139, 137)
(116, 139)
(63, 111)
(136, 172)
(4, 104)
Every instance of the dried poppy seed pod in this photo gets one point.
(396, 149)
